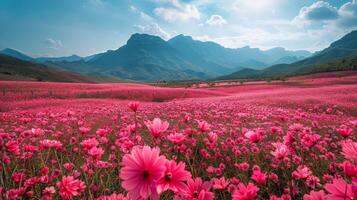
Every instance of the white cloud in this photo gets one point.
(54, 44)
(348, 15)
(153, 29)
(175, 10)
(142, 14)
(216, 20)
(315, 15)
(322, 14)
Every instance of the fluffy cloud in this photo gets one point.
(323, 13)
(216, 20)
(318, 11)
(174, 10)
(153, 29)
(54, 44)
(348, 15)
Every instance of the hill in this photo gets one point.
(340, 55)
(15, 69)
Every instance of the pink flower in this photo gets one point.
(96, 152)
(157, 127)
(220, 184)
(212, 137)
(16, 193)
(70, 187)
(349, 150)
(196, 189)
(349, 169)
(141, 171)
(253, 136)
(89, 143)
(49, 190)
(203, 126)
(134, 105)
(84, 130)
(302, 172)
(243, 192)
(259, 177)
(13, 147)
(339, 190)
(281, 150)
(18, 177)
(175, 175)
(344, 131)
(176, 138)
(315, 195)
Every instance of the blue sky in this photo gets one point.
(85, 27)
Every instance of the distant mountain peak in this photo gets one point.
(182, 37)
(348, 41)
(16, 54)
(9, 50)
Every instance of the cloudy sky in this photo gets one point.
(85, 27)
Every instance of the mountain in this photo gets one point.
(149, 58)
(71, 58)
(213, 53)
(12, 68)
(145, 58)
(209, 54)
(287, 60)
(338, 56)
(16, 54)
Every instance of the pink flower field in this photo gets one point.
(277, 140)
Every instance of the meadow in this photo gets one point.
(279, 140)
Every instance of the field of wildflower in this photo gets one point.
(293, 139)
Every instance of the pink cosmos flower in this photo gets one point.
(243, 192)
(141, 171)
(344, 131)
(253, 136)
(313, 182)
(315, 195)
(89, 143)
(175, 175)
(70, 187)
(281, 150)
(212, 137)
(176, 138)
(16, 193)
(259, 177)
(134, 105)
(157, 127)
(197, 189)
(203, 126)
(220, 184)
(349, 150)
(49, 191)
(302, 172)
(18, 177)
(84, 130)
(13, 147)
(340, 190)
(350, 169)
(96, 152)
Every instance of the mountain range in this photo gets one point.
(149, 58)
(340, 55)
